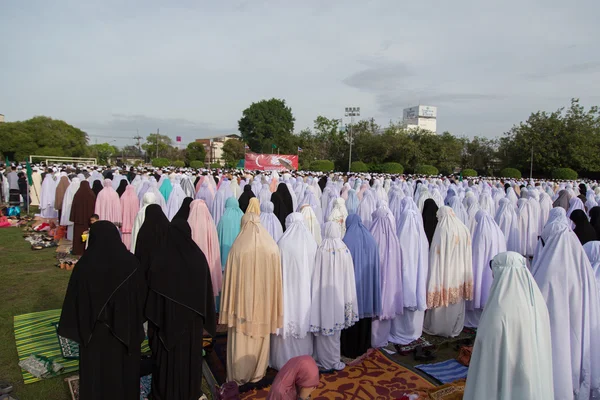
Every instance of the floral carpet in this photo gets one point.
(375, 377)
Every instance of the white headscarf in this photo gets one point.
(508, 221)
(312, 222)
(565, 277)
(298, 250)
(512, 351)
(334, 303)
(592, 250)
(450, 262)
(414, 258)
(68, 202)
(147, 199)
(339, 214)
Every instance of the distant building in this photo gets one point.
(214, 147)
(1, 118)
(420, 117)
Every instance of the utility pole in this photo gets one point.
(157, 140)
(351, 112)
(531, 167)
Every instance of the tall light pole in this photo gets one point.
(351, 112)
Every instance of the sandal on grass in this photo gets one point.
(5, 388)
(424, 355)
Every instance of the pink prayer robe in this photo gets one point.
(204, 234)
(129, 207)
(108, 204)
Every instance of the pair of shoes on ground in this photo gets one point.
(5, 392)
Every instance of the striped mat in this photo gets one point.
(445, 371)
(36, 334)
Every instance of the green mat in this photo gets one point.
(36, 334)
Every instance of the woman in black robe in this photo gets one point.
(280, 210)
(245, 197)
(103, 312)
(430, 220)
(179, 308)
(184, 210)
(82, 210)
(583, 229)
(97, 187)
(122, 186)
(595, 220)
(151, 236)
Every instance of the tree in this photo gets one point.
(131, 151)
(561, 139)
(233, 152)
(103, 152)
(266, 123)
(156, 141)
(42, 136)
(195, 151)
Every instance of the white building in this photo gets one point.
(1, 118)
(420, 117)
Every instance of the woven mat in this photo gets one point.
(35, 334)
(374, 377)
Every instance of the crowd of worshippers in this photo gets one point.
(322, 266)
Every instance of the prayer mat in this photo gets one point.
(145, 386)
(445, 371)
(216, 361)
(451, 391)
(375, 377)
(35, 333)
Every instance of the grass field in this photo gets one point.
(30, 282)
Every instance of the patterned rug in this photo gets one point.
(375, 377)
(35, 333)
(445, 371)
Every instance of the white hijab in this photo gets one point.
(565, 277)
(68, 202)
(334, 303)
(312, 222)
(147, 199)
(450, 262)
(512, 352)
(339, 214)
(298, 250)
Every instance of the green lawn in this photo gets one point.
(30, 282)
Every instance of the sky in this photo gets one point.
(189, 68)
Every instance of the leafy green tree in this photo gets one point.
(561, 139)
(42, 136)
(233, 152)
(131, 151)
(268, 122)
(155, 142)
(195, 151)
(178, 164)
(103, 152)
(160, 162)
(359, 166)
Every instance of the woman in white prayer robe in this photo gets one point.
(312, 222)
(414, 259)
(488, 241)
(512, 353)
(334, 304)
(298, 250)
(508, 221)
(47, 197)
(450, 280)
(66, 207)
(565, 277)
(175, 200)
(528, 226)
